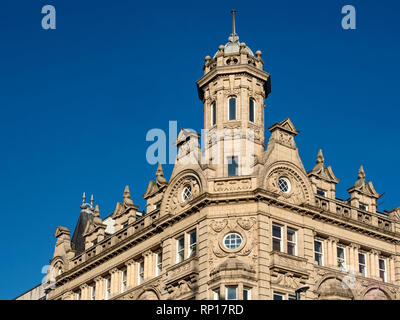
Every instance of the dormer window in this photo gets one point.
(233, 166)
(214, 114)
(251, 110)
(232, 108)
(363, 207)
(321, 192)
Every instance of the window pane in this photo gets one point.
(251, 110)
(317, 246)
(361, 258)
(276, 231)
(291, 248)
(231, 293)
(276, 244)
(381, 264)
(278, 296)
(291, 235)
(232, 109)
(181, 243)
(214, 114)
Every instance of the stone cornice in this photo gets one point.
(208, 199)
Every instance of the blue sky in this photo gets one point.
(76, 102)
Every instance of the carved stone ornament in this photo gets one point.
(298, 192)
(175, 200)
(286, 280)
(182, 288)
(242, 226)
(232, 185)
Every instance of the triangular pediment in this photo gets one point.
(285, 125)
(186, 134)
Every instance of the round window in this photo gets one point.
(284, 184)
(187, 192)
(232, 241)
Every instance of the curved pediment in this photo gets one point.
(299, 189)
(184, 187)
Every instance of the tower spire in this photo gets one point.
(233, 21)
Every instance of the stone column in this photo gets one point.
(374, 264)
(351, 261)
(99, 294)
(84, 292)
(333, 253)
(356, 248)
(68, 296)
(148, 265)
(328, 252)
(114, 282)
(391, 272)
(130, 275)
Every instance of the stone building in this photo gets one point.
(242, 220)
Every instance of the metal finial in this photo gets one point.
(233, 21)
(91, 200)
(83, 198)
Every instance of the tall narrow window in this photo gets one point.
(319, 252)
(291, 242)
(158, 263)
(251, 110)
(123, 280)
(216, 295)
(232, 108)
(231, 292)
(192, 244)
(108, 288)
(362, 264)
(341, 257)
(276, 237)
(232, 166)
(78, 295)
(214, 114)
(180, 249)
(246, 293)
(93, 292)
(141, 272)
(382, 269)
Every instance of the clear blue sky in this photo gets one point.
(76, 102)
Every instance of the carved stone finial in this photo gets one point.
(361, 178)
(320, 157)
(127, 196)
(96, 211)
(361, 173)
(160, 175)
(319, 167)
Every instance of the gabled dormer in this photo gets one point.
(125, 212)
(322, 178)
(155, 191)
(362, 194)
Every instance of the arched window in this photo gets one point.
(232, 108)
(214, 114)
(251, 110)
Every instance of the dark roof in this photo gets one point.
(78, 241)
